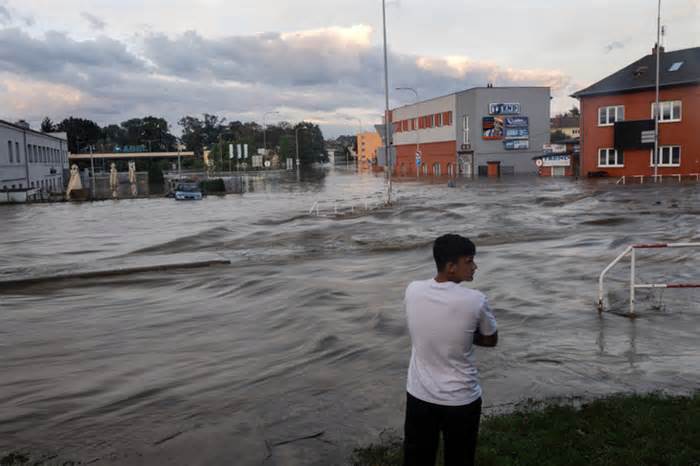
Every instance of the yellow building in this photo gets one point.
(367, 145)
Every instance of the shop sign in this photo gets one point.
(556, 161)
(554, 148)
(504, 109)
(517, 144)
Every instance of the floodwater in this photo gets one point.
(303, 335)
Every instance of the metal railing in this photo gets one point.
(633, 285)
(348, 206)
(657, 178)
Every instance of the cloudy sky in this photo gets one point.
(319, 60)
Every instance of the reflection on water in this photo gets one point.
(304, 334)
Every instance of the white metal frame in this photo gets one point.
(633, 285)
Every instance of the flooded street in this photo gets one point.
(304, 334)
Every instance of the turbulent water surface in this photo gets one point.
(296, 352)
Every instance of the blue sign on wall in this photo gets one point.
(517, 122)
(516, 144)
(517, 133)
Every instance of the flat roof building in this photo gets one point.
(461, 133)
(31, 159)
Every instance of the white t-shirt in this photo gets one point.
(442, 319)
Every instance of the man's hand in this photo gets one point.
(488, 341)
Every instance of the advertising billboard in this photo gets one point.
(492, 128)
(517, 133)
(517, 122)
(516, 144)
(631, 134)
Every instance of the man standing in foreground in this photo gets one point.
(445, 321)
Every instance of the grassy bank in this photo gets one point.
(620, 430)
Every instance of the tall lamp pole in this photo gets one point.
(657, 112)
(387, 131)
(416, 128)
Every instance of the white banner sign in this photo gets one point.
(556, 161)
(554, 148)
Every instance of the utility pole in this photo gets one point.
(387, 131)
(657, 112)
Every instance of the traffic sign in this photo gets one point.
(418, 159)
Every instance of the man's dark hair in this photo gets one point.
(449, 248)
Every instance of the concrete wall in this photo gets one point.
(534, 104)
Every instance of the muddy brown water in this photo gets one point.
(297, 352)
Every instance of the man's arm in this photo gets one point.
(488, 341)
(487, 325)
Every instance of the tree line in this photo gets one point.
(210, 132)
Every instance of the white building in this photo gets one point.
(31, 159)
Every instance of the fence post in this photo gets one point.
(632, 288)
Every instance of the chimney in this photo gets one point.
(653, 50)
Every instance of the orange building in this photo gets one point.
(617, 118)
(367, 145)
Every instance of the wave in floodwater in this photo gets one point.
(303, 336)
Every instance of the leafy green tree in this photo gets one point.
(47, 125)
(82, 133)
(558, 136)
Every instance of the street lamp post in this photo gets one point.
(387, 144)
(415, 128)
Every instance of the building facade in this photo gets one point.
(461, 133)
(31, 159)
(568, 125)
(618, 111)
(367, 145)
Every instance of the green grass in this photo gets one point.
(616, 431)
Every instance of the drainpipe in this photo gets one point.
(26, 158)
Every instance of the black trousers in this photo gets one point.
(424, 422)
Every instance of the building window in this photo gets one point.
(447, 119)
(438, 119)
(18, 156)
(465, 127)
(610, 158)
(607, 116)
(9, 150)
(17, 148)
(670, 111)
(670, 156)
(436, 169)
